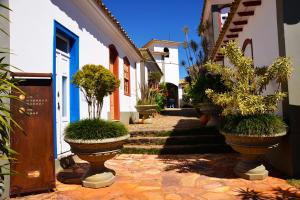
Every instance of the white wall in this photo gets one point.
(171, 63)
(32, 30)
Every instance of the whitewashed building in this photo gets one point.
(265, 30)
(50, 41)
(165, 53)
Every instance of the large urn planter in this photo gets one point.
(146, 111)
(96, 152)
(208, 113)
(252, 148)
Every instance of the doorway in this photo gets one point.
(62, 91)
(115, 96)
(65, 94)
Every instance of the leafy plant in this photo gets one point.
(161, 97)
(148, 96)
(199, 78)
(198, 87)
(262, 124)
(91, 129)
(154, 77)
(247, 83)
(294, 182)
(7, 123)
(96, 82)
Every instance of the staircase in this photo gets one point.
(186, 138)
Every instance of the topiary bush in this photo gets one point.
(264, 124)
(95, 82)
(95, 129)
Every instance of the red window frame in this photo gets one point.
(126, 70)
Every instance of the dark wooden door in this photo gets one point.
(34, 166)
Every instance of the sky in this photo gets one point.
(144, 20)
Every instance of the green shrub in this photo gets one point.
(89, 129)
(96, 82)
(203, 82)
(264, 124)
(160, 101)
(294, 182)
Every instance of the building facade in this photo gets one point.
(264, 30)
(165, 54)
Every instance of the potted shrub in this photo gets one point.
(203, 105)
(249, 123)
(93, 139)
(146, 106)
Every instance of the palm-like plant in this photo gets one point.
(247, 83)
(6, 121)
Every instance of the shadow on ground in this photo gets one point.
(73, 174)
(275, 194)
(183, 112)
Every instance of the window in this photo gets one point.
(64, 96)
(126, 76)
(62, 44)
(166, 50)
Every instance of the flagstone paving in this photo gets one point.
(176, 177)
(169, 120)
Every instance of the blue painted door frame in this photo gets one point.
(74, 66)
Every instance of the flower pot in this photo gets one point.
(146, 111)
(96, 152)
(251, 148)
(210, 110)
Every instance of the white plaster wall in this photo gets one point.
(32, 32)
(180, 93)
(292, 42)
(171, 64)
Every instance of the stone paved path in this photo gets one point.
(180, 177)
(172, 119)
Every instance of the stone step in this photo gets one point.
(176, 149)
(185, 112)
(176, 140)
(187, 131)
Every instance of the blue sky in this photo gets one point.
(144, 20)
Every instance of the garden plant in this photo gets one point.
(249, 123)
(93, 139)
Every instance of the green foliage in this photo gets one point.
(96, 82)
(161, 97)
(95, 129)
(154, 77)
(263, 124)
(294, 182)
(198, 87)
(7, 123)
(247, 83)
(148, 96)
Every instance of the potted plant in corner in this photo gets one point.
(249, 123)
(207, 110)
(146, 106)
(95, 140)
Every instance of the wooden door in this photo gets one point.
(35, 162)
(115, 96)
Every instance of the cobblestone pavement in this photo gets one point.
(174, 119)
(180, 177)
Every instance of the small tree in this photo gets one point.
(96, 82)
(247, 83)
